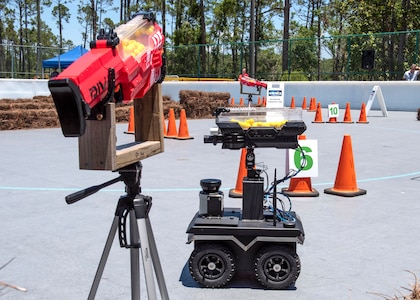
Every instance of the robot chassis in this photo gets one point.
(258, 238)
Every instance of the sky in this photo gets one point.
(73, 30)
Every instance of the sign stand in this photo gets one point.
(377, 91)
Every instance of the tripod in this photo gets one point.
(135, 206)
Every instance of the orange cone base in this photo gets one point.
(184, 138)
(344, 193)
(234, 193)
(310, 193)
(318, 122)
(362, 122)
(171, 135)
(300, 187)
(332, 121)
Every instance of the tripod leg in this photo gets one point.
(134, 257)
(104, 258)
(146, 253)
(156, 261)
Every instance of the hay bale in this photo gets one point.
(199, 104)
(28, 119)
(40, 112)
(122, 114)
(186, 94)
(40, 103)
(176, 106)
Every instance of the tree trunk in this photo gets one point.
(178, 20)
(285, 56)
(319, 33)
(2, 61)
(402, 38)
(93, 7)
(164, 17)
(202, 38)
(38, 37)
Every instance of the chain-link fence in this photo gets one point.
(18, 61)
(382, 56)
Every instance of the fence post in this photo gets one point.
(12, 59)
(198, 61)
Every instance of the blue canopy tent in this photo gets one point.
(64, 60)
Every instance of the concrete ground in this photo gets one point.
(355, 247)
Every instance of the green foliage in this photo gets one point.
(294, 76)
(211, 37)
(303, 51)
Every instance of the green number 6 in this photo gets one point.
(298, 158)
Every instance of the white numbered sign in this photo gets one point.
(309, 158)
(333, 111)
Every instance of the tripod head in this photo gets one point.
(130, 174)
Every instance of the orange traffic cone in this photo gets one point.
(171, 133)
(304, 103)
(163, 125)
(362, 117)
(318, 114)
(347, 114)
(259, 101)
(130, 129)
(345, 181)
(264, 102)
(332, 120)
(242, 172)
(241, 101)
(312, 104)
(183, 133)
(300, 187)
(292, 102)
(232, 102)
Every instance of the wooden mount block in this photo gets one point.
(98, 148)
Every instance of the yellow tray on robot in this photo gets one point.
(261, 127)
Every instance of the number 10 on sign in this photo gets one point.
(306, 155)
(333, 111)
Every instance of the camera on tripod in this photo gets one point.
(122, 65)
